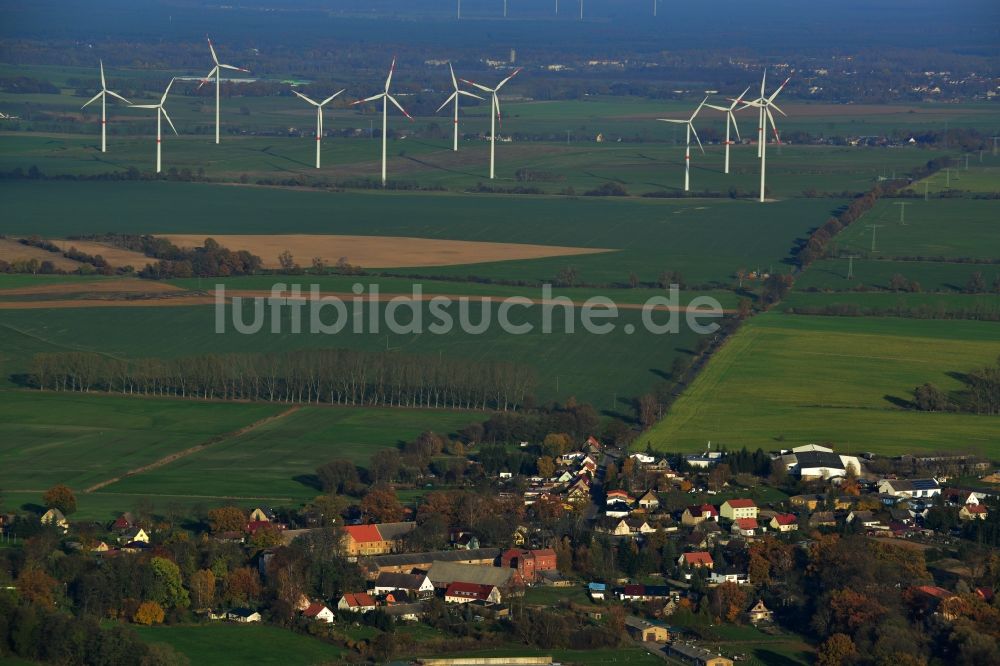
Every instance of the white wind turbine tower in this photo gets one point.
(217, 72)
(386, 98)
(494, 115)
(730, 121)
(687, 152)
(454, 96)
(103, 96)
(319, 117)
(160, 113)
(764, 104)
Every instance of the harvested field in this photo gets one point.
(115, 256)
(11, 250)
(109, 286)
(379, 251)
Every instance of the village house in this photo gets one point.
(649, 501)
(637, 525)
(823, 519)
(814, 501)
(696, 514)
(597, 591)
(262, 514)
(728, 575)
(123, 522)
(243, 615)
(376, 539)
(638, 592)
(418, 585)
(319, 612)
(463, 593)
(443, 574)
(408, 562)
(909, 488)
(356, 602)
(973, 512)
(746, 527)
(759, 613)
(784, 522)
(134, 534)
(735, 509)
(691, 654)
(641, 630)
(529, 563)
(696, 560)
(54, 517)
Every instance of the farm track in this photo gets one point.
(173, 457)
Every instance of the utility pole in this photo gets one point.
(926, 188)
(995, 145)
(459, 10)
(873, 227)
(966, 162)
(902, 211)
(850, 266)
(567, 137)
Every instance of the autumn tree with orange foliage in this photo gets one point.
(148, 613)
(728, 601)
(227, 519)
(37, 587)
(836, 650)
(382, 505)
(242, 586)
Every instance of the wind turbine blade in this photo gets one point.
(166, 92)
(331, 97)
(392, 68)
(103, 84)
(114, 94)
(780, 88)
(717, 108)
(504, 82)
(774, 127)
(695, 132)
(454, 82)
(211, 48)
(735, 126)
(468, 94)
(775, 107)
(496, 105)
(698, 110)
(305, 98)
(93, 99)
(739, 99)
(398, 106)
(671, 120)
(208, 77)
(144, 106)
(477, 85)
(369, 99)
(763, 79)
(447, 101)
(165, 115)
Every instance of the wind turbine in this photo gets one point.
(687, 152)
(454, 96)
(386, 98)
(217, 71)
(764, 104)
(103, 96)
(160, 113)
(730, 120)
(319, 117)
(494, 115)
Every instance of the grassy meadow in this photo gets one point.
(223, 644)
(794, 380)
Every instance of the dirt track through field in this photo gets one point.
(378, 251)
(174, 457)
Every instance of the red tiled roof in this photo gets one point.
(696, 510)
(934, 591)
(741, 503)
(747, 523)
(359, 599)
(314, 609)
(700, 557)
(469, 591)
(785, 518)
(363, 533)
(975, 508)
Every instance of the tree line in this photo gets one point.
(331, 376)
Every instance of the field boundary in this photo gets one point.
(173, 457)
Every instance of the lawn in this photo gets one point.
(622, 655)
(79, 440)
(279, 458)
(221, 644)
(794, 379)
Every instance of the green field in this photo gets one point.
(707, 240)
(933, 276)
(988, 305)
(80, 440)
(223, 644)
(789, 380)
(979, 177)
(279, 459)
(949, 228)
